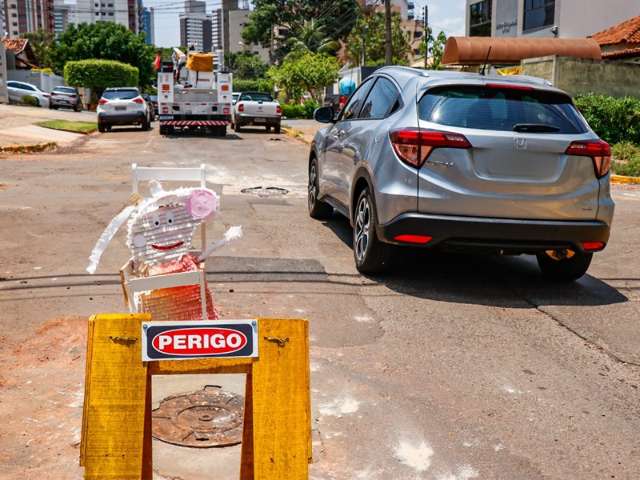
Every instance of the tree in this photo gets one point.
(246, 65)
(436, 48)
(312, 37)
(303, 72)
(42, 43)
(108, 41)
(368, 36)
(334, 18)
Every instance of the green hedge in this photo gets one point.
(259, 85)
(613, 119)
(29, 100)
(296, 110)
(100, 74)
(626, 159)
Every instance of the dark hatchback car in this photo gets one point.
(65, 97)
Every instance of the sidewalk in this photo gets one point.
(17, 125)
(303, 130)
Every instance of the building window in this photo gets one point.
(111, 14)
(538, 14)
(480, 19)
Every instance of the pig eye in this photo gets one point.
(170, 218)
(155, 220)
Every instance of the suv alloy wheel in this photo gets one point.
(371, 255)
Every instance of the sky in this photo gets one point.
(445, 15)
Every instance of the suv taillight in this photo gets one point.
(279, 110)
(598, 150)
(102, 101)
(241, 107)
(414, 146)
(139, 100)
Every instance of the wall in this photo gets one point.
(3, 75)
(575, 76)
(41, 80)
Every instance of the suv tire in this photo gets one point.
(370, 254)
(566, 269)
(317, 208)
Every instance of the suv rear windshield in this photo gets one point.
(256, 97)
(506, 109)
(120, 94)
(64, 90)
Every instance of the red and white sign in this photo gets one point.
(184, 340)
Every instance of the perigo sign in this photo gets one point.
(185, 340)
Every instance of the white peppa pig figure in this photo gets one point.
(160, 237)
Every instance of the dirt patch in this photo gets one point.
(41, 400)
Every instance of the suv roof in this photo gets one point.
(119, 89)
(404, 74)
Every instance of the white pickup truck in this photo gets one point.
(255, 108)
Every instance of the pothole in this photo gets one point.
(265, 191)
(210, 417)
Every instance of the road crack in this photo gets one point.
(582, 337)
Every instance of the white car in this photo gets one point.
(255, 108)
(18, 90)
(123, 106)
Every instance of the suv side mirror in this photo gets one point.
(324, 115)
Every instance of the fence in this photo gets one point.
(576, 76)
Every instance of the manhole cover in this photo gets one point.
(265, 191)
(210, 417)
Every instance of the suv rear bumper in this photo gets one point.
(125, 118)
(507, 235)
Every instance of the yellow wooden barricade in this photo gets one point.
(116, 422)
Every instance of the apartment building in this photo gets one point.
(196, 26)
(545, 18)
(123, 12)
(23, 16)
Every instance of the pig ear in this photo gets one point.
(202, 204)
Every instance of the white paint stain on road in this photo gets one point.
(340, 406)
(363, 319)
(414, 455)
(512, 390)
(465, 472)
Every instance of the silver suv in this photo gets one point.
(454, 160)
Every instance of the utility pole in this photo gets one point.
(426, 36)
(388, 47)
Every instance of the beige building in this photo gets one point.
(545, 18)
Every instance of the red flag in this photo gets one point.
(157, 63)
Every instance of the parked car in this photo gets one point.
(122, 106)
(18, 90)
(256, 108)
(464, 161)
(65, 97)
(152, 109)
(154, 102)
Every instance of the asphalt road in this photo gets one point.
(451, 367)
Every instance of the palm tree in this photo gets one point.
(311, 37)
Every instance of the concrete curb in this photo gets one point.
(33, 148)
(297, 134)
(622, 180)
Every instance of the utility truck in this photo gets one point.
(193, 95)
